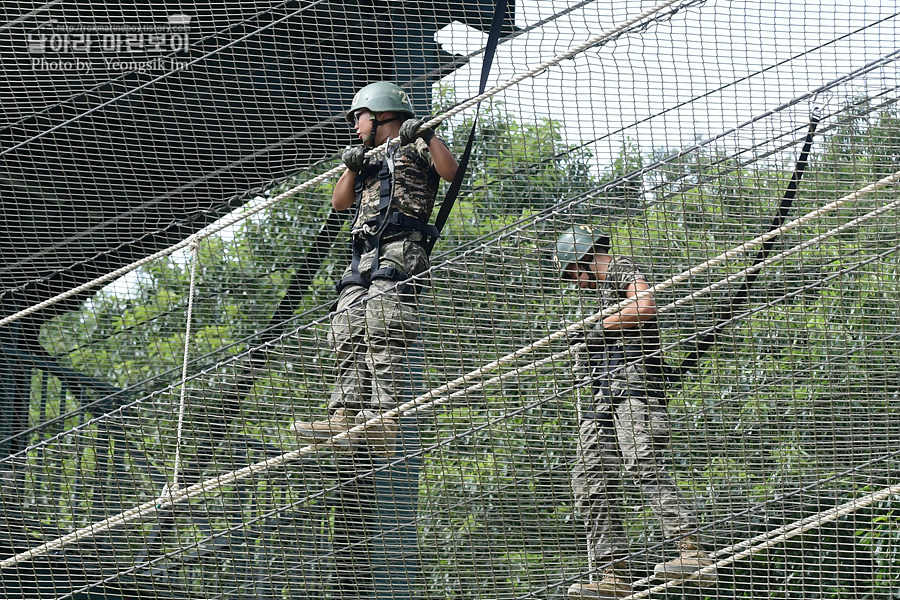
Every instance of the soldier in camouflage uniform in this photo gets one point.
(375, 319)
(624, 424)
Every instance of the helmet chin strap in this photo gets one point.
(370, 139)
(590, 274)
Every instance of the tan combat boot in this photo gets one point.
(380, 436)
(691, 559)
(339, 422)
(614, 583)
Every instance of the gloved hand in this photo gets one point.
(354, 158)
(597, 338)
(409, 131)
(575, 337)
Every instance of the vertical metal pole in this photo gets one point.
(375, 541)
(396, 563)
(15, 393)
(7, 390)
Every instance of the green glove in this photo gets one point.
(412, 129)
(354, 158)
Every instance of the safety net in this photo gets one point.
(189, 414)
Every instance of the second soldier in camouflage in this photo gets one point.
(623, 424)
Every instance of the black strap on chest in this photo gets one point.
(384, 224)
(490, 49)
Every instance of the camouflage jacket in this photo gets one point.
(637, 347)
(415, 185)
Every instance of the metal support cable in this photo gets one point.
(226, 168)
(33, 12)
(511, 485)
(159, 78)
(337, 170)
(666, 308)
(637, 174)
(467, 383)
(878, 63)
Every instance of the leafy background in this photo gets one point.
(790, 414)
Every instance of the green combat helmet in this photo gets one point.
(382, 96)
(577, 242)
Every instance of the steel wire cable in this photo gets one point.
(741, 550)
(472, 381)
(233, 219)
(858, 73)
(269, 344)
(819, 518)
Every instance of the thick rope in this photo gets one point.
(300, 501)
(445, 393)
(195, 256)
(334, 172)
(764, 541)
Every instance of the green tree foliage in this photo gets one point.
(801, 388)
(517, 168)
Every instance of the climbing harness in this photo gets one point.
(389, 222)
(386, 225)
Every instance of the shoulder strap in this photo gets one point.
(453, 191)
(674, 374)
(359, 184)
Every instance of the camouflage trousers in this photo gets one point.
(371, 332)
(627, 431)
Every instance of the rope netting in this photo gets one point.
(149, 449)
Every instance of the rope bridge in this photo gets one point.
(184, 482)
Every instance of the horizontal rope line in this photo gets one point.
(437, 396)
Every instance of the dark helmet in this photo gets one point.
(577, 242)
(382, 96)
